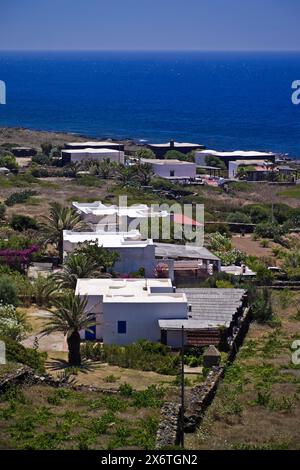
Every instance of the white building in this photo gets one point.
(86, 154)
(134, 252)
(200, 156)
(113, 217)
(127, 310)
(172, 169)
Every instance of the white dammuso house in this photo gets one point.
(134, 251)
(127, 310)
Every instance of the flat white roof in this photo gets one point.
(90, 150)
(93, 143)
(236, 153)
(135, 211)
(176, 144)
(157, 161)
(109, 239)
(130, 290)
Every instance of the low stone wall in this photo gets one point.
(198, 398)
(169, 426)
(18, 376)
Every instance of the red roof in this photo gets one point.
(185, 220)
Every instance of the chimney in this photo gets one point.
(172, 144)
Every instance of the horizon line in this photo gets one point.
(151, 50)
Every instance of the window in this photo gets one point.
(172, 172)
(122, 327)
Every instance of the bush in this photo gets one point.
(261, 307)
(15, 352)
(8, 161)
(268, 230)
(19, 197)
(23, 222)
(41, 159)
(8, 294)
(13, 323)
(239, 217)
(142, 355)
(2, 211)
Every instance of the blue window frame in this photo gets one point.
(122, 327)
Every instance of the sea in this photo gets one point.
(223, 100)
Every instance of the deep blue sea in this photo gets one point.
(225, 101)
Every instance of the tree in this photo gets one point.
(46, 147)
(144, 174)
(77, 266)
(105, 169)
(71, 316)
(144, 152)
(239, 217)
(104, 258)
(212, 160)
(60, 218)
(126, 174)
(175, 155)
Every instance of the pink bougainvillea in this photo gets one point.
(20, 258)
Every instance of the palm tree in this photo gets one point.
(77, 266)
(60, 218)
(144, 173)
(106, 169)
(70, 318)
(126, 175)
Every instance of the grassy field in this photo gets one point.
(42, 417)
(257, 406)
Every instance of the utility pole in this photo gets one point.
(182, 390)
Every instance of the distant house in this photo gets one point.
(254, 170)
(105, 144)
(183, 147)
(23, 151)
(226, 157)
(127, 310)
(186, 262)
(86, 154)
(113, 217)
(173, 170)
(134, 252)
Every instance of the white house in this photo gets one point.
(172, 169)
(226, 157)
(134, 252)
(127, 310)
(113, 217)
(86, 154)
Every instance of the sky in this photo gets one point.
(149, 24)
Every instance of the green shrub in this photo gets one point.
(13, 324)
(15, 352)
(2, 210)
(261, 307)
(8, 294)
(8, 161)
(268, 230)
(142, 355)
(19, 197)
(23, 222)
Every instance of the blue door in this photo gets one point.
(90, 335)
